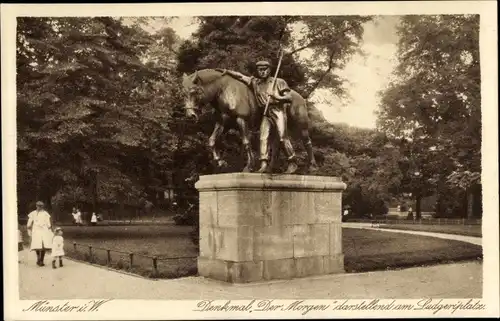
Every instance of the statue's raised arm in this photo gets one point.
(237, 75)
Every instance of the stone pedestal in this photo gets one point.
(256, 227)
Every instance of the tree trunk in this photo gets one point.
(47, 200)
(418, 210)
(44, 194)
(478, 202)
(437, 208)
(95, 197)
(470, 203)
(92, 189)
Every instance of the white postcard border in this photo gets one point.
(140, 309)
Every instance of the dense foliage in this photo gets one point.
(433, 107)
(92, 116)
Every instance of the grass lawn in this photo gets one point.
(365, 250)
(162, 241)
(468, 230)
(370, 250)
(152, 240)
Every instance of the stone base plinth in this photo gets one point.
(256, 227)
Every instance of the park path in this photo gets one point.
(463, 238)
(77, 280)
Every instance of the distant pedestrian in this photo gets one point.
(73, 214)
(410, 214)
(148, 207)
(39, 228)
(345, 214)
(78, 215)
(93, 219)
(20, 246)
(57, 247)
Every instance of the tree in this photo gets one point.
(84, 110)
(434, 101)
(323, 46)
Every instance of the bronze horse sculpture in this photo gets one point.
(234, 103)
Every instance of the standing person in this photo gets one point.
(57, 247)
(410, 213)
(39, 228)
(276, 117)
(148, 207)
(93, 219)
(344, 215)
(75, 216)
(78, 215)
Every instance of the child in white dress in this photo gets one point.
(93, 219)
(57, 247)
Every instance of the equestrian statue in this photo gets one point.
(247, 102)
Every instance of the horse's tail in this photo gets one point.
(298, 112)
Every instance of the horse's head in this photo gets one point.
(193, 93)
(200, 88)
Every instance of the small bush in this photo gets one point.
(119, 264)
(195, 235)
(182, 219)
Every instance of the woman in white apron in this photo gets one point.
(39, 228)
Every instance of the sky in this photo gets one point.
(366, 75)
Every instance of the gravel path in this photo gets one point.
(78, 280)
(463, 238)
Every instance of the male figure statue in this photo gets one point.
(275, 117)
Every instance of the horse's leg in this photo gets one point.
(245, 140)
(275, 150)
(306, 140)
(212, 142)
